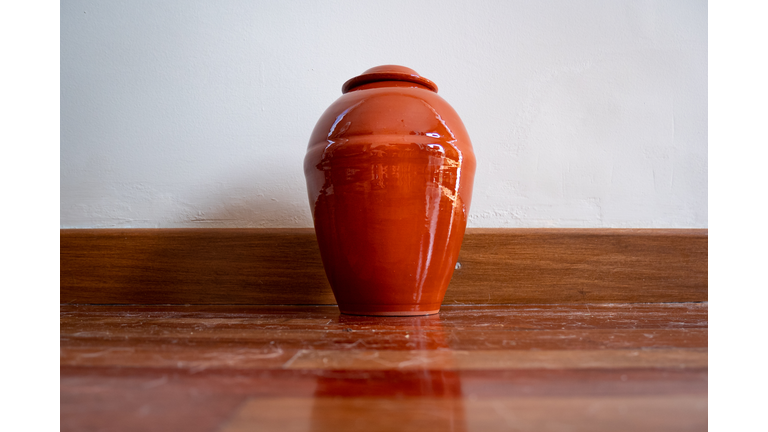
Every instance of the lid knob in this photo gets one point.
(388, 73)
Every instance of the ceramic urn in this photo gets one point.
(389, 171)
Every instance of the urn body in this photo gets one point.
(389, 171)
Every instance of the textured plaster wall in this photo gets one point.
(181, 113)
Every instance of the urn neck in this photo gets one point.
(388, 76)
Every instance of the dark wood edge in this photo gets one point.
(283, 266)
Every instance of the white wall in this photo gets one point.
(180, 113)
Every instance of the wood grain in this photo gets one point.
(152, 399)
(687, 413)
(581, 266)
(460, 338)
(471, 368)
(283, 266)
(268, 336)
(497, 359)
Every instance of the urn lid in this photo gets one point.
(388, 73)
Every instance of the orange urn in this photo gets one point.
(389, 171)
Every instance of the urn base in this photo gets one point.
(389, 310)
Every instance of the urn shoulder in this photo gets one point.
(392, 104)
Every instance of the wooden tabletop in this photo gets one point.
(307, 368)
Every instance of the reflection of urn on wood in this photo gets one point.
(400, 395)
(389, 172)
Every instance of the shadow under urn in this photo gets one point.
(389, 171)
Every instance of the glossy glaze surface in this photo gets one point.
(389, 172)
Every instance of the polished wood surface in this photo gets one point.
(680, 413)
(595, 367)
(282, 266)
(618, 340)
